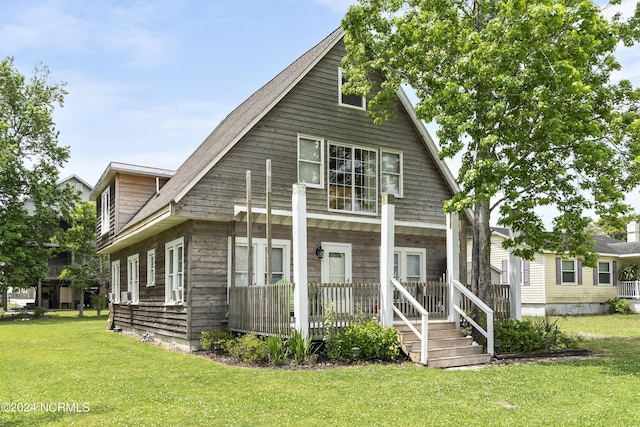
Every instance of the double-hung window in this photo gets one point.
(115, 281)
(151, 267)
(105, 208)
(311, 161)
(409, 264)
(604, 273)
(133, 277)
(353, 184)
(568, 271)
(280, 266)
(391, 172)
(174, 271)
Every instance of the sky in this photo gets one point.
(148, 80)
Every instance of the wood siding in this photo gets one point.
(132, 192)
(311, 108)
(103, 240)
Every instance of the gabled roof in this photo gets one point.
(77, 178)
(245, 117)
(608, 245)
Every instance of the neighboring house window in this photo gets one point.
(409, 264)
(391, 173)
(351, 100)
(133, 277)
(606, 274)
(105, 208)
(311, 161)
(352, 179)
(280, 255)
(115, 281)
(568, 271)
(151, 267)
(174, 271)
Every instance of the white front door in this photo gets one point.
(336, 269)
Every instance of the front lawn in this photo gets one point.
(102, 378)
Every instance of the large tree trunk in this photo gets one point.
(81, 312)
(481, 261)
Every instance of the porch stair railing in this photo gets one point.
(459, 291)
(423, 333)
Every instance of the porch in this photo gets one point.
(629, 289)
(268, 309)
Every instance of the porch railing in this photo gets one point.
(262, 309)
(423, 333)
(460, 293)
(629, 289)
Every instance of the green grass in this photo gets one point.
(126, 382)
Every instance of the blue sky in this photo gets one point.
(149, 80)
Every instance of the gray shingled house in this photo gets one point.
(178, 241)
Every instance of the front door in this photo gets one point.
(336, 270)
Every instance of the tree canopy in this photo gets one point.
(523, 90)
(32, 204)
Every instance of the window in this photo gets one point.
(174, 272)
(409, 264)
(280, 255)
(105, 208)
(391, 173)
(604, 273)
(568, 271)
(352, 179)
(311, 161)
(133, 277)
(115, 281)
(351, 100)
(151, 267)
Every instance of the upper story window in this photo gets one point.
(174, 272)
(105, 208)
(391, 172)
(353, 179)
(349, 100)
(311, 161)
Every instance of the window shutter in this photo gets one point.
(558, 271)
(614, 272)
(579, 272)
(504, 277)
(596, 278)
(526, 275)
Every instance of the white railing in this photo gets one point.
(629, 289)
(424, 314)
(459, 288)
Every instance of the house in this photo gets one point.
(56, 292)
(555, 285)
(178, 242)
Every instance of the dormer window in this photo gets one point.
(349, 100)
(105, 209)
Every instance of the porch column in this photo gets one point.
(515, 279)
(299, 247)
(387, 238)
(453, 261)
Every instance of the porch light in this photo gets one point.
(319, 251)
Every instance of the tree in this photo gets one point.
(31, 202)
(88, 268)
(616, 229)
(522, 89)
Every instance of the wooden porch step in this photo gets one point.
(447, 346)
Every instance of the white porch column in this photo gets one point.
(387, 238)
(515, 284)
(299, 247)
(453, 260)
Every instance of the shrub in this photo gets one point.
(552, 336)
(214, 340)
(515, 336)
(619, 306)
(39, 312)
(278, 350)
(300, 346)
(374, 342)
(1, 312)
(249, 348)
